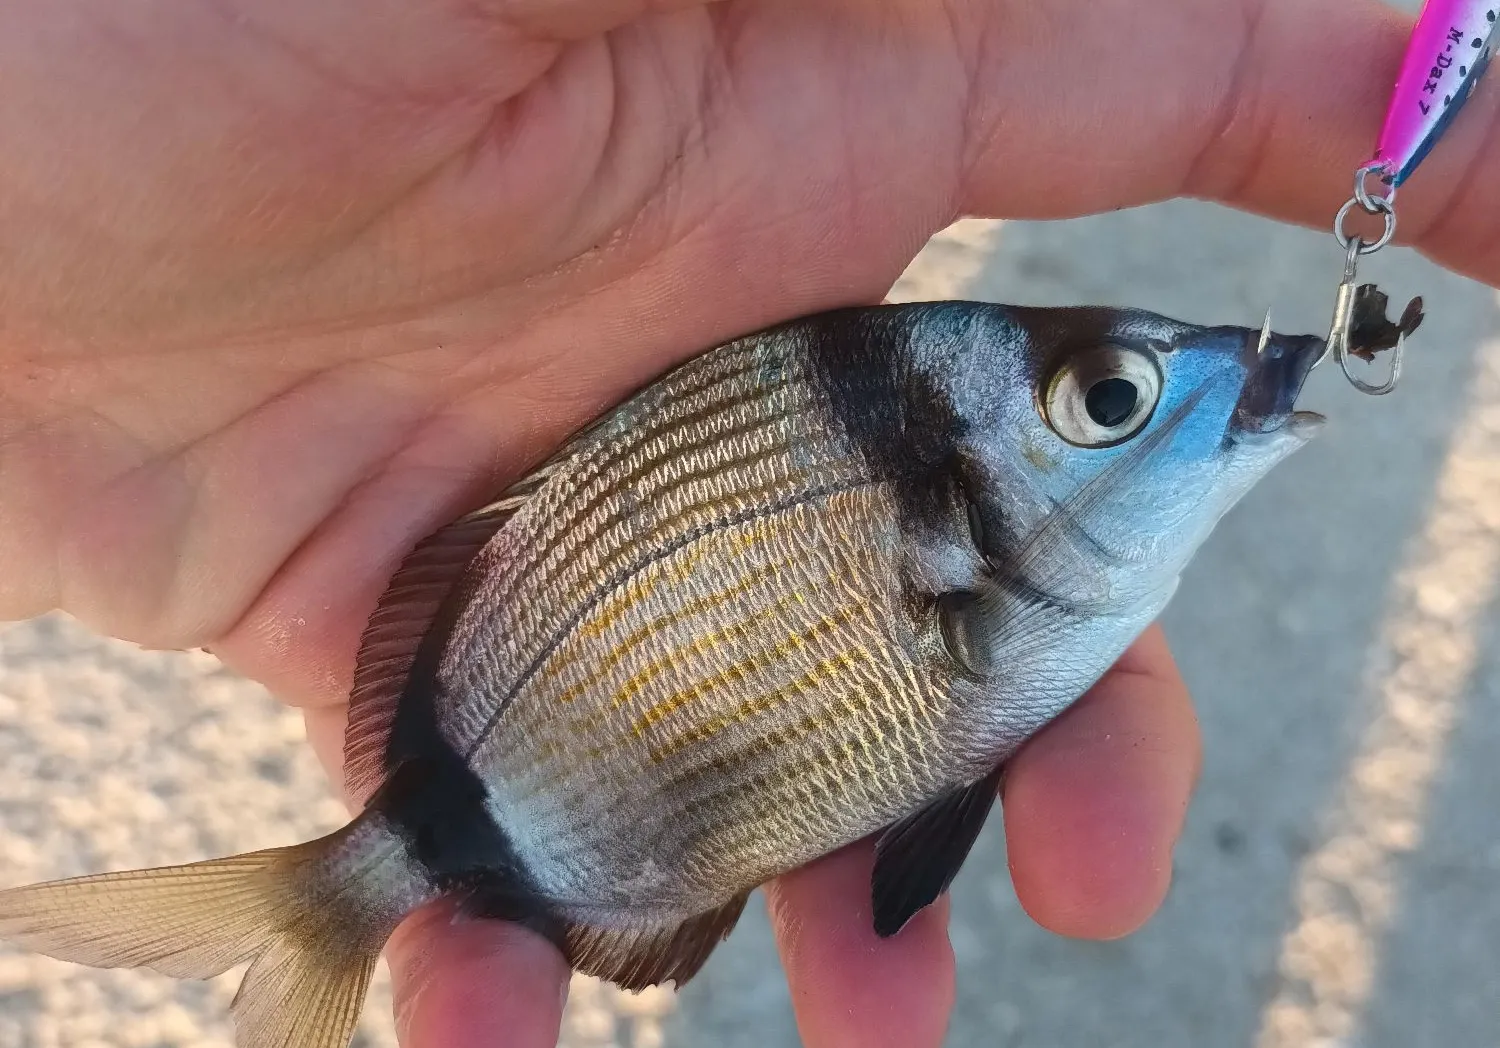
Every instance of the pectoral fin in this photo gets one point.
(917, 858)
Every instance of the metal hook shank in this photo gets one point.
(1343, 307)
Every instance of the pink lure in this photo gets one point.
(1449, 50)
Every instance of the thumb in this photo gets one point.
(1307, 114)
(1265, 105)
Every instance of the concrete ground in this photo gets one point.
(1339, 879)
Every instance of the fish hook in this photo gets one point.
(1389, 384)
(1360, 327)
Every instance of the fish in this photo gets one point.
(813, 585)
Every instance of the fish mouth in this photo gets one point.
(1278, 367)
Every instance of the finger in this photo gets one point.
(474, 983)
(1299, 123)
(325, 732)
(1266, 105)
(851, 989)
(1094, 803)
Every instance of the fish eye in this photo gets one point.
(1102, 396)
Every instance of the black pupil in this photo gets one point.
(1110, 401)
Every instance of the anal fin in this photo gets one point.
(636, 958)
(917, 858)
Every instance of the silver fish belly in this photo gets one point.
(696, 658)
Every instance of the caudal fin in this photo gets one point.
(311, 920)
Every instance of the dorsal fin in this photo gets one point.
(396, 627)
(395, 630)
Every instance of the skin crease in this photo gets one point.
(253, 347)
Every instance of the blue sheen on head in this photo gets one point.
(1137, 499)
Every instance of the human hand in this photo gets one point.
(288, 285)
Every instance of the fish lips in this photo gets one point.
(1278, 367)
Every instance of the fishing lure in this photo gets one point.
(1449, 51)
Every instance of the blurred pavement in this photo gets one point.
(1339, 879)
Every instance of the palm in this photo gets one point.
(503, 236)
(390, 255)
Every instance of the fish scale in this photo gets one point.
(695, 711)
(584, 490)
(581, 538)
(664, 703)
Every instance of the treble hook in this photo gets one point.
(1360, 327)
